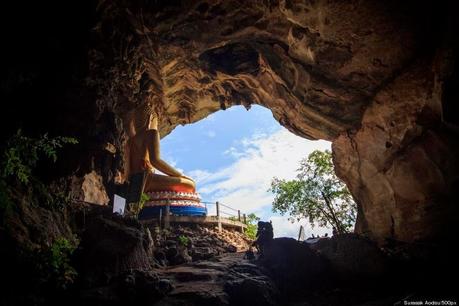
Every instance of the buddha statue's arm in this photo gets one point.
(155, 158)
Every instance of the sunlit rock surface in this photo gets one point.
(402, 164)
(316, 65)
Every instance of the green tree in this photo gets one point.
(316, 194)
(252, 227)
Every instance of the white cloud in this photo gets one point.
(211, 134)
(243, 184)
(233, 152)
(199, 176)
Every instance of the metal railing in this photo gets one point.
(222, 209)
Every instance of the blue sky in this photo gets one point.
(234, 154)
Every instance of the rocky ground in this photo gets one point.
(227, 279)
(119, 261)
(183, 244)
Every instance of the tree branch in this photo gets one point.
(338, 224)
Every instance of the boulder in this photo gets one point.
(113, 244)
(294, 266)
(248, 284)
(203, 253)
(133, 286)
(231, 249)
(353, 257)
(252, 291)
(171, 252)
(160, 257)
(171, 243)
(177, 255)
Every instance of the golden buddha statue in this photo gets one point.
(143, 155)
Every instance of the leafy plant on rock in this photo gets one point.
(55, 263)
(183, 240)
(22, 154)
(135, 208)
(19, 158)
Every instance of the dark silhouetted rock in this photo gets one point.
(353, 257)
(113, 244)
(178, 255)
(294, 266)
(252, 291)
(248, 284)
(171, 252)
(144, 287)
(231, 249)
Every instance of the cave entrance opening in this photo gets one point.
(233, 156)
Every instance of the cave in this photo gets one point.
(376, 78)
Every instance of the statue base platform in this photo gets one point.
(180, 203)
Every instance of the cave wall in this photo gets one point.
(373, 77)
(401, 165)
(45, 89)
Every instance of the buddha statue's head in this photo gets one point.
(141, 119)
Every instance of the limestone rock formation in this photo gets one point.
(377, 78)
(93, 189)
(402, 165)
(315, 65)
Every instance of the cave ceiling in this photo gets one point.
(315, 64)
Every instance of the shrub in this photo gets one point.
(183, 240)
(135, 208)
(19, 158)
(55, 263)
(22, 154)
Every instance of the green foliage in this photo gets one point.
(135, 208)
(143, 199)
(59, 199)
(55, 263)
(19, 158)
(317, 194)
(252, 227)
(22, 154)
(183, 240)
